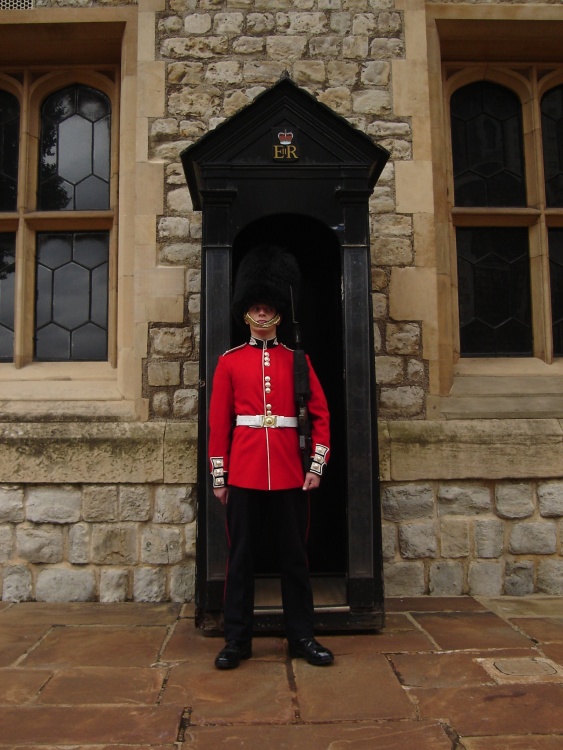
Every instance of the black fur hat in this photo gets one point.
(268, 274)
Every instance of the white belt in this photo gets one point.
(263, 420)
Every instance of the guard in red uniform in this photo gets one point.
(256, 461)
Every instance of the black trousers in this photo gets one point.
(288, 516)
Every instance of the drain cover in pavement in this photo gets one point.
(523, 669)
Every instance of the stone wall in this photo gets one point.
(478, 538)
(103, 542)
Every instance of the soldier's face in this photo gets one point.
(262, 319)
(262, 313)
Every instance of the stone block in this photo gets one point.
(40, 544)
(134, 502)
(550, 498)
(550, 577)
(230, 24)
(197, 23)
(407, 502)
(454, 537)
(285, 49)
(260, 23)
(149, 585)
(185, 403)
(403, 338)
(180, 453)
(406, 400)
(485, 579)
(389, 369)
(533, 538)
(404, 579)
(11, 505)
(372, 102)
(160, 404)
(173, 227)
(248, 45)
(114, 544)
(182, 583)
(175, 342)
(465, 499)
(489, 537)
(100, 502)
(417, 540)
(514, 500)
(325, 47)
(53, 504)
(163, 373)
(445, 579)
(113, 585)
(389, 541)
(69, 452)
(65, 585)
(161, 546)
(16, 583)
(174, 504)
(79, 543)
(6, 543)
(459, 449)
(190, 534)
(197, 48)
(519, 578)
(355, 47)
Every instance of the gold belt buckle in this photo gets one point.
(269, 420)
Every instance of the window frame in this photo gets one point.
(529, 81)
(35, 83)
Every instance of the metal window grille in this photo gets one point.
(16, 4)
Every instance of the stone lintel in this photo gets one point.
(475, 449)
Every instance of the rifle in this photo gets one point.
(302, 390)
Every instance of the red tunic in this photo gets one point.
(254, 380)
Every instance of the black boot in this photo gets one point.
(230, 656)
(312, 651)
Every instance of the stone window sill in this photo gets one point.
(502, 389)
(63, 391)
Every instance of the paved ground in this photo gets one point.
(445, 674)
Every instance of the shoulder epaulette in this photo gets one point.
(234, 349)
(289, 349)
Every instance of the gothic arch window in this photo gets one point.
(507, 218)
(57, 209)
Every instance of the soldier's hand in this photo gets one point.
(222, 494)
(312, 481)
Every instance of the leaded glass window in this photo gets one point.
(488, 159)
(494, 291)
(552, 134)
(7, 279)
(9, 149)
(74, 163)
(71, 319)
(556, 278)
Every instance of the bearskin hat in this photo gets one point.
(268, 274)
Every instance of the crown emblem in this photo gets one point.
(285, 137)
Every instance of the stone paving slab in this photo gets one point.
(89, 613)
(20, 686)
(500, 710)
(399, 735)
(530, 742)
(447, 670)
(542, 629)
(526, 606)
(470, 630)
(16, 641)
(256, 693)
(104, 685)
(58, 725)
(360, 687)
(433, 604)
(89, 646)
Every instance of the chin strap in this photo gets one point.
(268, 324)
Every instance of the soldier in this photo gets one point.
(255, 457)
